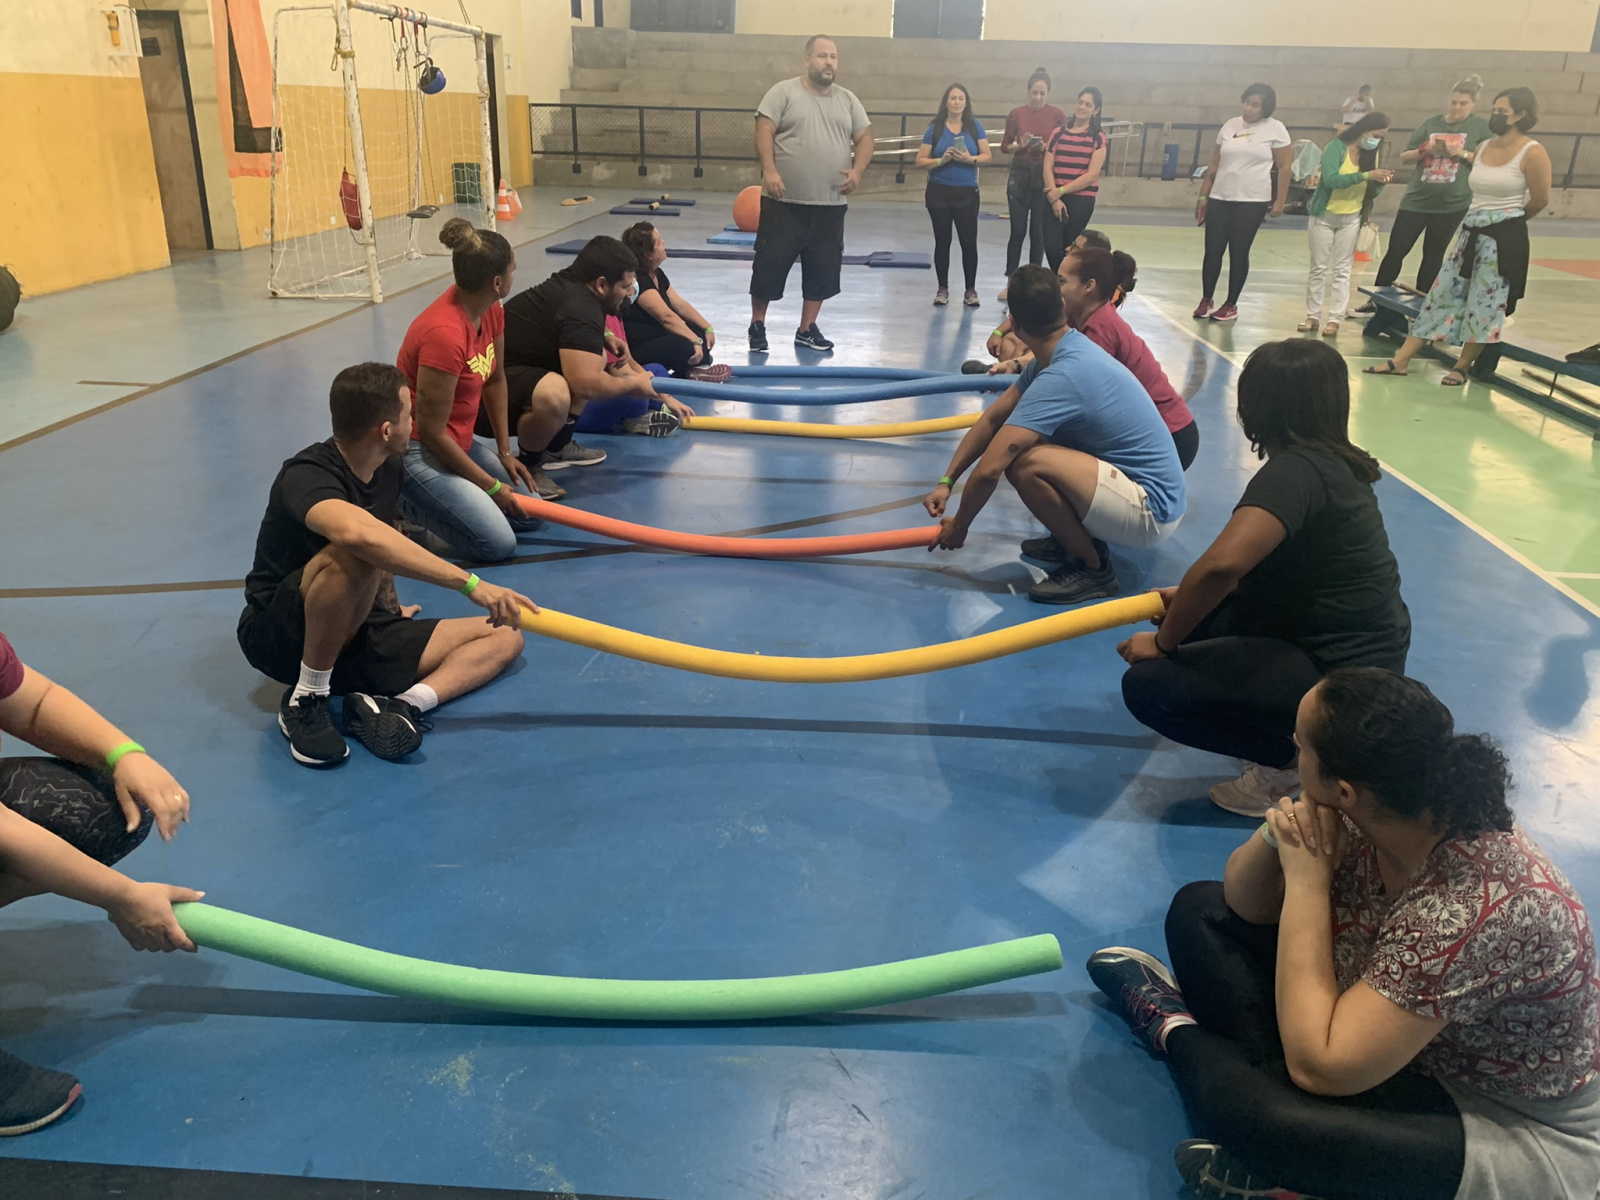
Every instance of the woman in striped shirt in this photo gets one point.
(1073, 160)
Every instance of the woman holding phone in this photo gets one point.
(952, 150)
(1028, 127)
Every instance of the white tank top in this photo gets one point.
(1497, 189)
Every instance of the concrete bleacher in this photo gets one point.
(1158, 85)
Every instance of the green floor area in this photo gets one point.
(1528, 478)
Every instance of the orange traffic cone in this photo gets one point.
(502, 207)
(516, 200)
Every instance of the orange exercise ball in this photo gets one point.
(747, 209)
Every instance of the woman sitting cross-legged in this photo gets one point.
(1392, 994)
(1300, 581)
(662, 327)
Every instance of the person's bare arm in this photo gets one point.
(684, 309)
(652, 302)
(494, 402)
(925, 158)
(588, 379)
(1282, 157)
(1097, 162)
(864, 143)
(985, 153)
(1536, 165)
(1210, 178)
(1252, 884)
(54, 719)
(973, 443)
(771, 181)
(353, 528)
(436, 396)
(997, 458)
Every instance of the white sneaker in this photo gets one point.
(1257, 790)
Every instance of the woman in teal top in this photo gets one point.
(1436, 199)
(1336, 207)
(952, 150)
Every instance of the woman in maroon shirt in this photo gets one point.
(1073, 159)
(1029, 127)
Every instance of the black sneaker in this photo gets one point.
(32, 1097)
(757, 336)
(1211, 1173)
(811, 338)
(1073, 583)
(388, 726)
(1371, 306)
(1045, 549)
(1589, 356)
(1142, 991)
(308, 725)
(974, 366)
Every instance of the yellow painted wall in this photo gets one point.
(842, 18)
(1566, 25)
(520, 141)
(78, 196)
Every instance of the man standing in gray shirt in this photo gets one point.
(814, 142)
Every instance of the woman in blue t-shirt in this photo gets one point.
(952, 150)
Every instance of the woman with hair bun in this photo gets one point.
(1300, 582)
(1393, 991)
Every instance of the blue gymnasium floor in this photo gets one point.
(590, 815)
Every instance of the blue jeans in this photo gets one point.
(458, 510)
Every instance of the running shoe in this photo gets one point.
(942, 297)
(716, 373)
(386, 725)
(1228, 312)
(308, 724)
(32, 1097)
(1142, 991)
(1045, 549)
(1203, 309)
(1211, 1173)
(1073, 582)
(970, 298)
(658, 422)
(1589, 356)
(974, 366)
(543, 486)
(757, 336)
(1371, 306)
(811, 339)
(571, 455)
(1257, 790)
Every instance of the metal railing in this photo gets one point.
(647, 134)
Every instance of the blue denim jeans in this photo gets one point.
(458, 510)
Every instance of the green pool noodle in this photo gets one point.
(614, 999)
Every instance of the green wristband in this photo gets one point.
(470, 586)
(491, 491)
(1267, 835)
(947, 481)
(121, 752)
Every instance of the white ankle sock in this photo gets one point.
(312, 683)
(1177, 1021)
(421, 695)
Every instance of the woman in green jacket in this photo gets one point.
(1335, 211)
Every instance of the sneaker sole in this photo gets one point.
(1151, 963)
(390, 748)
(1099, 593)
(1255, 813)
(18, 1130)
(1224, 320)
(301, 758)
(562, 466)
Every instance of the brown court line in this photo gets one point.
(218, 585)
(222, 362)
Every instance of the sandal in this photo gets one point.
(1453, 378)
(1387, 363)
(1331, 329)
(1306, 326)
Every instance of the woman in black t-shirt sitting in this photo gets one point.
(1299, 582)
(662, 326)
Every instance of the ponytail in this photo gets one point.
(1126, 269)
(1392, 736)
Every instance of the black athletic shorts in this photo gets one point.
(520, 382)
(383, 658)
(813, 233)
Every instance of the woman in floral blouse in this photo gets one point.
(1393, 993)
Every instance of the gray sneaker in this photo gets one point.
(658, 422)
(571, 455)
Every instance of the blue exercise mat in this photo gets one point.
(635, 210)
(737, 238)
(659, 200)
(861, 394)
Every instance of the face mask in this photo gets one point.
(1371, 143)
(1499, 123)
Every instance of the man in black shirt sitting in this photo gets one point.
(320, 612)
(556, 354)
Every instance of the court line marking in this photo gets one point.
(1550, 577)
(149, 389)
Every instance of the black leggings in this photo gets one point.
(1059, 234)
(1025, 201)
(1230, 225)
(669, 350)
(1187, 443)
(953, 208)
(1401, 1140)
(1435, 229)
(1230, 695)
(77, 804)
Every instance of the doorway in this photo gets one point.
(164, 71)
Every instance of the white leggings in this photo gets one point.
(1333, 252)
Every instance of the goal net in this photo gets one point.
(369, 165)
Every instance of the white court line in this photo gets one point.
(1550, 577)
(1576, 574)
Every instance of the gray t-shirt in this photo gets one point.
(814, 141)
